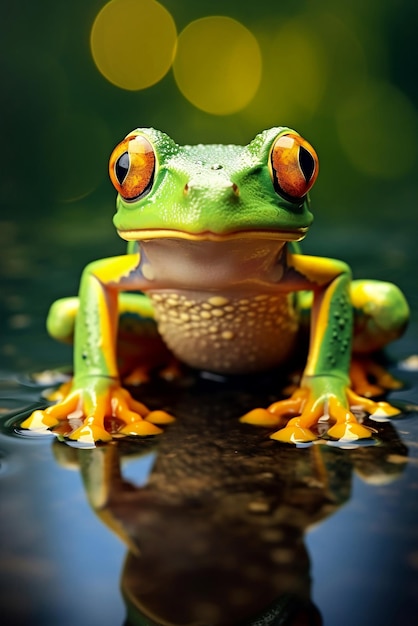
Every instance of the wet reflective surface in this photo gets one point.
(210, 523)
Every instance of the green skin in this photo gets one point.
(212, 225)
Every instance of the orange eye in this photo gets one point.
(294, 166)
(132, 167)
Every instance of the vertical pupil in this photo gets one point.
(122, 167)
(307, 163)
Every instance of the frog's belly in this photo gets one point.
(223, 334)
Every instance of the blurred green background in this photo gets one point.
(77, 76)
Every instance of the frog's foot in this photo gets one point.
(277, 413)
(143, 373)
(311, 411)
(172, 371)
(59, 418)
(369, 378)
(138, 376)
(374, 409)
(307, 410)
(148, 424)
(95, 413)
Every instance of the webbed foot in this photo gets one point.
(319, 401)
(97, 411)
(142, 373)
(370, 379)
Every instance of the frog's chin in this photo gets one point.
(296, 234)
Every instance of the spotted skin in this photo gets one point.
(227, 335)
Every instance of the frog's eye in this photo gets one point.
(294, 166)
(132, 167)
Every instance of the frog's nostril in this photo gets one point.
(235, 189)
(186, 188)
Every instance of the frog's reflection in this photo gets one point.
(216, 533)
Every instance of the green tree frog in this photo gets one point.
(213, 258)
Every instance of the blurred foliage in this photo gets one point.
(342, 74)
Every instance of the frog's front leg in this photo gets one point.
(324, 394)
(140, 348)
(96, 393)
(381, 314)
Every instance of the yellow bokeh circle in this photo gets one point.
(218, 65)
(133, 42)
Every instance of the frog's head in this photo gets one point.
(213, 192)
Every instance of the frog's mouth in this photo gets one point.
(296, 234)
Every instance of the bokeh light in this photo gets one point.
(133, 42)
(294, 74)
(218, 65)
(377, 128)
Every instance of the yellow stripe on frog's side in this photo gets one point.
(96, 324)
(320, 315)
(317, 270)
(115, 269)
(105, 339)
(329, 280)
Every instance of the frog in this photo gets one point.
(214, 264)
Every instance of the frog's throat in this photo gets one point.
(139, 234)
